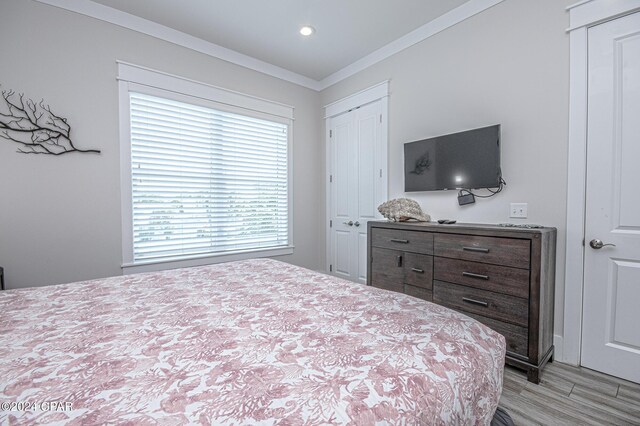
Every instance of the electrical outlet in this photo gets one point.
(518, 210)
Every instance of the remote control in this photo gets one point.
(446, 222)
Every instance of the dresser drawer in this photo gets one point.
(501, 279)
(386, 269)
(516, 336)
(419, 292)
(412, 241)
(514, 310)
(495, 250)
(418, 270)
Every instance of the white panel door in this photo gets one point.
(343, 180)
(611, 309)
(356, 174)
(368, 124)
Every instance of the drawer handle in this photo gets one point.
(395, 240)
(476, 249)
(475, 302)
(472, 275)
(399, 260)
(420, 271)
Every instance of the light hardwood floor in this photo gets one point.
(570, 395)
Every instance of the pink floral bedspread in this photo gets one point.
(250, 342)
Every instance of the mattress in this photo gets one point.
(249, 342)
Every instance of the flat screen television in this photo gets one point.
(464, 160)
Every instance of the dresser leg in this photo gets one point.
(533, 375)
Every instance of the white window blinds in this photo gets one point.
(205, 181)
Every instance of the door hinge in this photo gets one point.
(380, 172)
(583, 242)
(330, 178)
(330, 268)
(330, 224)
(330, 133)
(381, 118)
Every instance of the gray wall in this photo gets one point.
(60, 216)
(507, 65)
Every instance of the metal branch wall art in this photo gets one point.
(34, 126)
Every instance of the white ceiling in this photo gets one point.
(346, 30)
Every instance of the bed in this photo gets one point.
(248, 342)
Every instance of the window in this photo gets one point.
(205, 179)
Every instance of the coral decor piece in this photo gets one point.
(403, 209)
(34, 126)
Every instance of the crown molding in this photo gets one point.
(153, 29)
(441, 23)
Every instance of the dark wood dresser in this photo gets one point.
(501, 276)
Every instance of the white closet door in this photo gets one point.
(356, 175)
(611, 313)
(367, 145)
(343, 184)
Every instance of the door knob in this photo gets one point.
(357, 223)
(598, 244)
(350, 223)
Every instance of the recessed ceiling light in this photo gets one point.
(307, 30)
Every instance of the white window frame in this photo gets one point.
(133, 78)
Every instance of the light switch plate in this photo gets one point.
(518, 210)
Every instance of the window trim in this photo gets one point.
(133, 78)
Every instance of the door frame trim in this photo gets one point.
(374, 93)
(582, 15)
